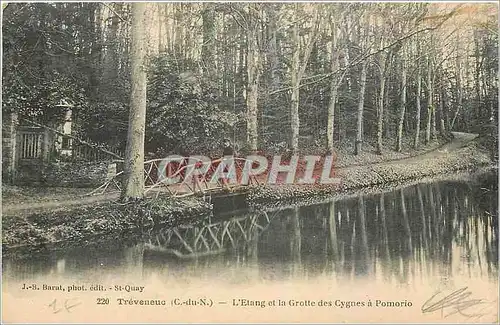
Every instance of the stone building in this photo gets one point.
(26, 146)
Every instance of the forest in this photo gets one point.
(322, 77)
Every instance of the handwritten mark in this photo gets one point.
(456, 302)
(68, 305)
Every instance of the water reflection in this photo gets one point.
(438, 230)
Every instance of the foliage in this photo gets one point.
(44, 59)
(106, 117)
(182, 114)
(48, 100)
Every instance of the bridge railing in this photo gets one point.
(158, 176)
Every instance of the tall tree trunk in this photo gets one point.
(111, 58)
(134, 156)
(402, 109)
(347, 33)
(95, 50)
(152, 48)
(172, 7)
(387, 104)
(272, 60)
(442, 127)
(387, 113)
(458, 94)
(433, 129)
(295, 122)
(361, 105)
(242, 49)
(430, 107)
(298, 69)
(161, 27)
(226, 61)
(334, 84)
(380, 108)
(178, 33)
(416, 141)
(209, 32)
(341, 125)
(273, 47)
(477, 75)
(446, 110)
(331, 116)
(253, 75)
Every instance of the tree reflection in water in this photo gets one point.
(419, 231)
(433, 230)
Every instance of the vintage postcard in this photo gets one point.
(249, 162)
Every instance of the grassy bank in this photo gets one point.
(79, 225)
(356, 178)
(473, 175)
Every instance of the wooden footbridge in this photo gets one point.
(188, 175)
(211, 238)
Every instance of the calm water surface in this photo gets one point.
(403, 245)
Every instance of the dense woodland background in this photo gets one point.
(270, 76)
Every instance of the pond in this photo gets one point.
(319, 263)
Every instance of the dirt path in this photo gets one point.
(460, 139)
(10, 209)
